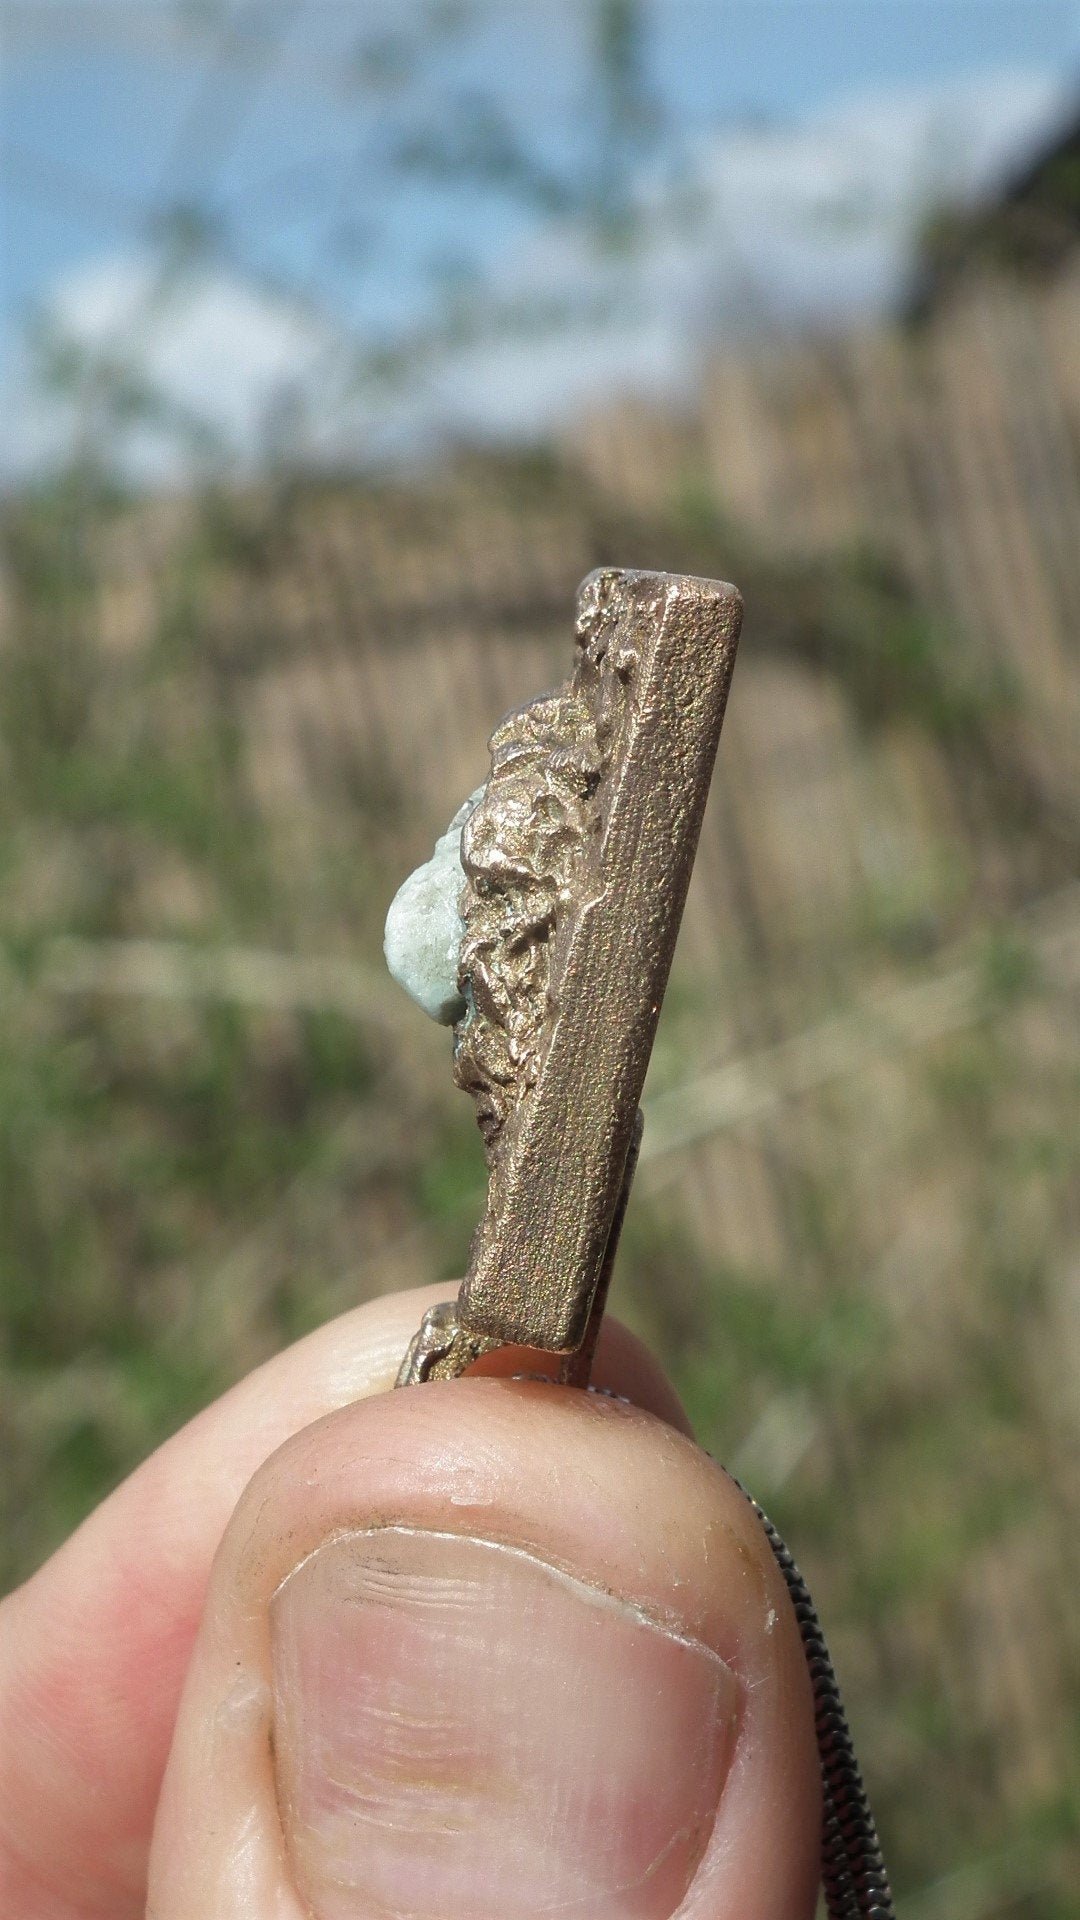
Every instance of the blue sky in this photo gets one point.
(115, 109)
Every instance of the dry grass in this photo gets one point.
(229, 727)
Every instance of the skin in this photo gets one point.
(137, 1706)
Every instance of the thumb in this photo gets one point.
(491, 1650)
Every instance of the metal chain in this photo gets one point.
(852, 1869)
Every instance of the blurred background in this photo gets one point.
(341, 338)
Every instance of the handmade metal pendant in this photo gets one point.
(577, 857)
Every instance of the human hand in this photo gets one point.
(483, 1650)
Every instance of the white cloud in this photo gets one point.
(821, 219)
(764, 227)
(225, 365)
(815, 220)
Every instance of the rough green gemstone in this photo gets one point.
(423, 927)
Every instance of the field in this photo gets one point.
(230, 724)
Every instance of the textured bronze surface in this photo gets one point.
(577, 862)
